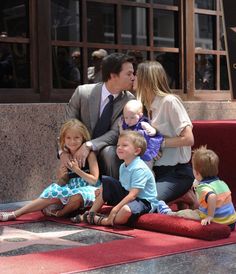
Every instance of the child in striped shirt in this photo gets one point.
(214, 195)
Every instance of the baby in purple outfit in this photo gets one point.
(133, 119)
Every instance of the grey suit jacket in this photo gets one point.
(85, 106)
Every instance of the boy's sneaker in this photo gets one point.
(163, 208)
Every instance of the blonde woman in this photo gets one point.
(174, 176)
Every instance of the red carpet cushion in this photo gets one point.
(179, 226)
(182, 227)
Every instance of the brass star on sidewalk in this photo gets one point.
(13, 238)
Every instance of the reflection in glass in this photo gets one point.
(134, 30)
(14, 66)
(170, 62)
(165, 25)
(205, 4)
(65, 20)
(205, 31)
(101, 23)
(224, 78)
(14, 18)
(166, 2)
(95, 64)
(138, 57)
(66, 67)
(205, 71)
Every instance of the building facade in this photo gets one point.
(39, 41)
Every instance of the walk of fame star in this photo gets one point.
(14, 238)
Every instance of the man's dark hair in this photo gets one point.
(112, 63)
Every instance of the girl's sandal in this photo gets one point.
(7, 216)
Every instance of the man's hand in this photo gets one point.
(81, 155)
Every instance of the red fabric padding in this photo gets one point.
(219, 136)
(182, 227)
(179, 226)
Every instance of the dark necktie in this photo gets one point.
(104, 122)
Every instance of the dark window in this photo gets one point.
(134, 28)
(14, 57)
(170, 62)
(165, 28)
(205, 72)
(205, 4)
(48, 48)
(66, 67)
(100, 23)
(166, 2)
(14, 19)
(205, 31)
(65, 20)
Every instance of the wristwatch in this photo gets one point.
(89, 145)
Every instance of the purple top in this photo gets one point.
(153, 142)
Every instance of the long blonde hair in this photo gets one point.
(73, 124)
(151, 81)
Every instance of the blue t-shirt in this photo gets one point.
(138, 175)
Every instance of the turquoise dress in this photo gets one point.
(75, 185)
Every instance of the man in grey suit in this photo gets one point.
(88, 102)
